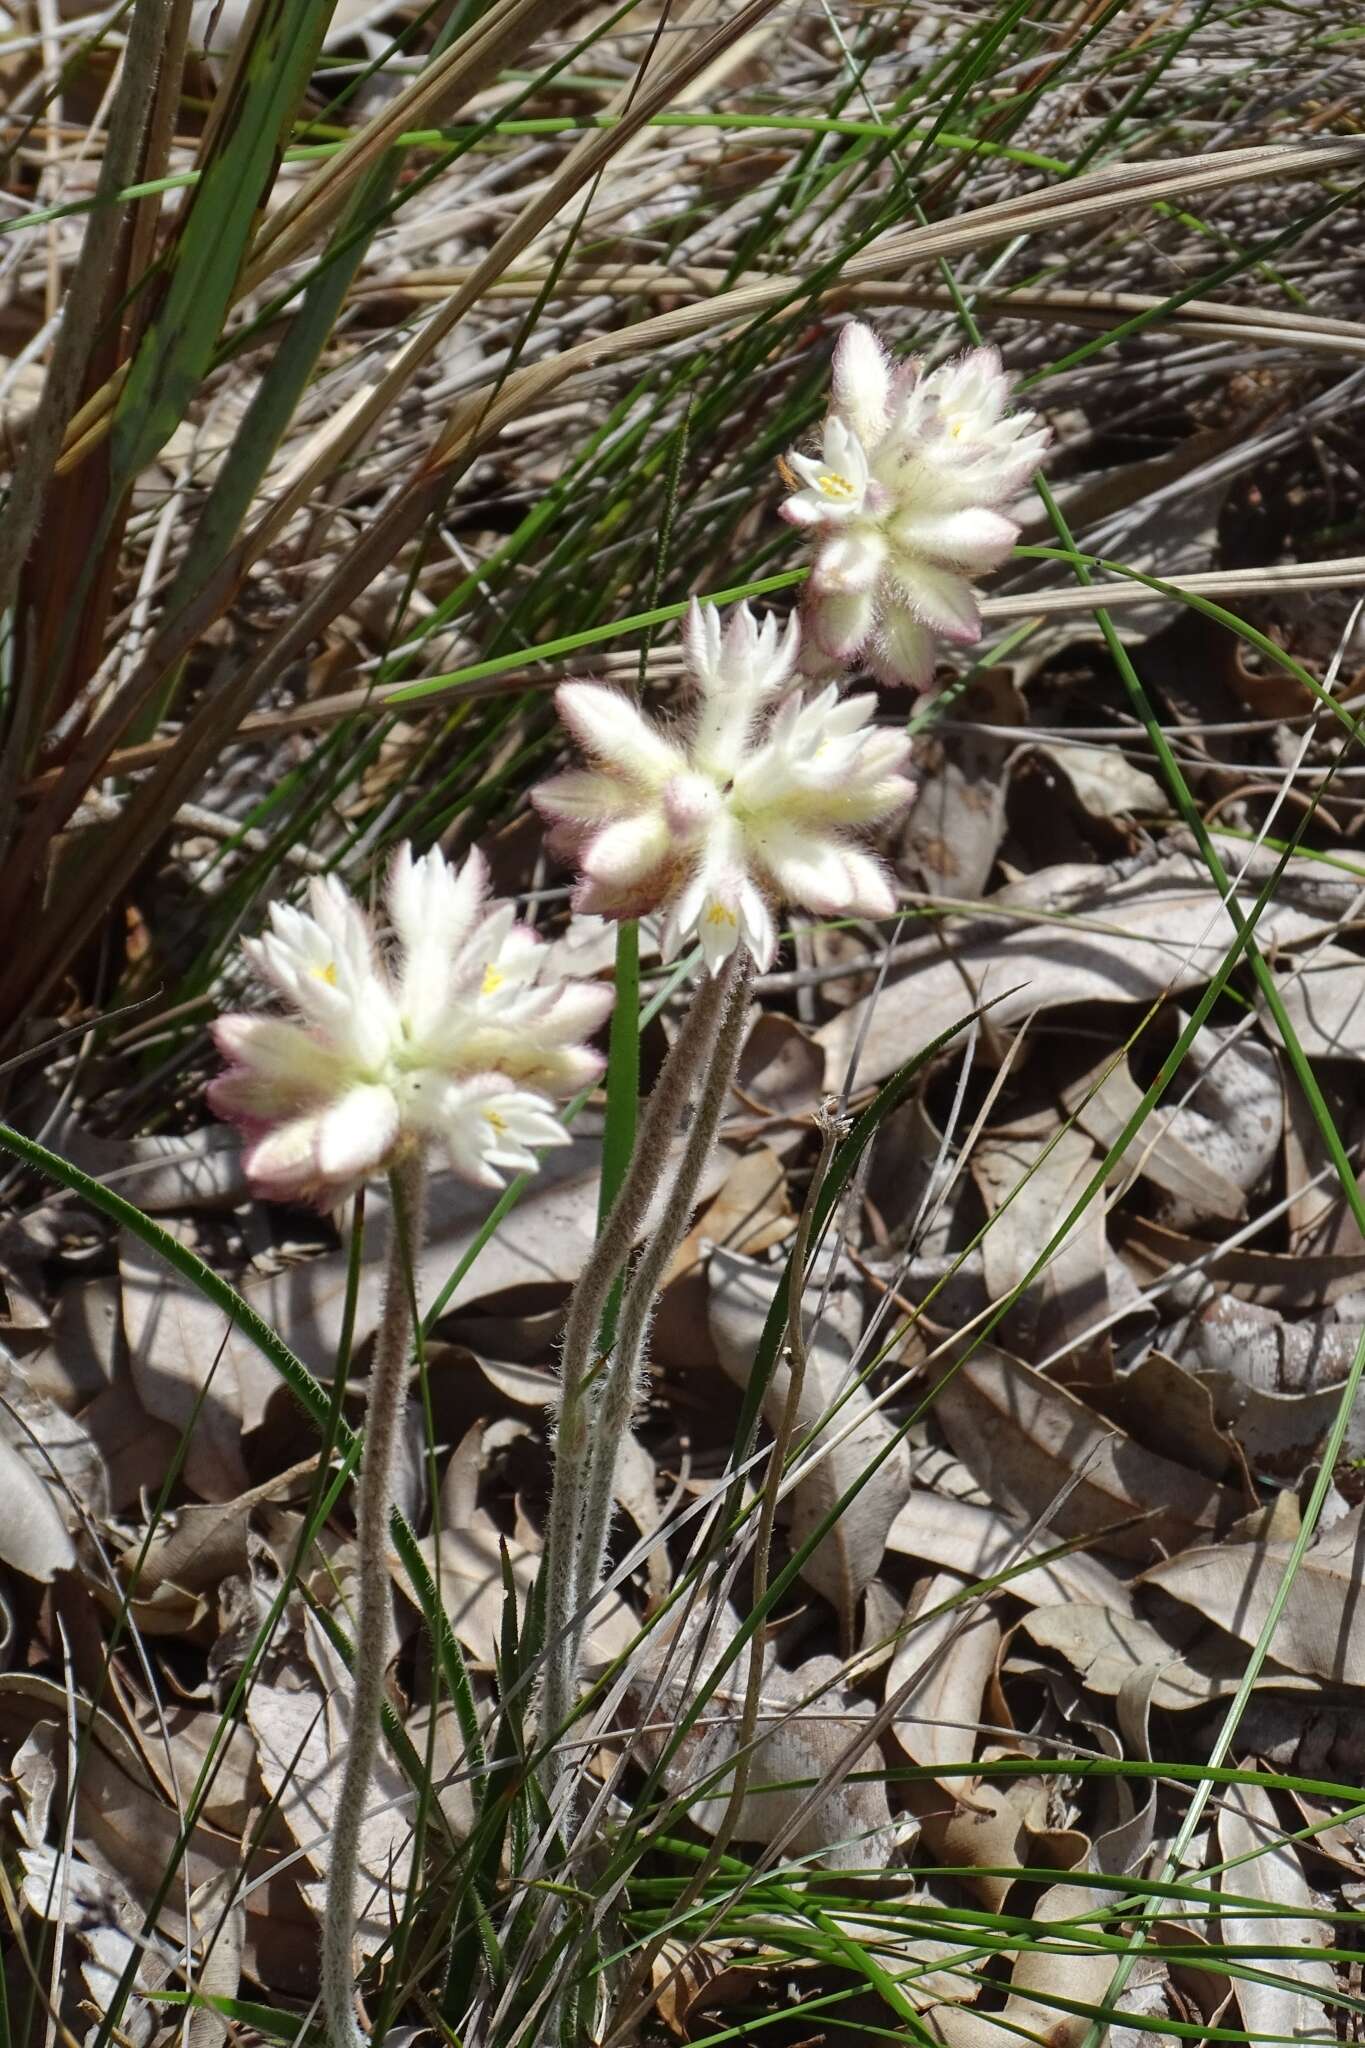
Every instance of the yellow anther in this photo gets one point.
(498, 1123)
(720, 913)
(493, 979)
(327, 974)
(831, 485)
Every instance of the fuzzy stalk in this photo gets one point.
(625, 1377)
(374, 1512)
(587, 1305)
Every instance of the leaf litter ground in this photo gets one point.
(1067, 1532)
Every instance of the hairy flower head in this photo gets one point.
(456, 1033)
(907, 502)
(751, 801)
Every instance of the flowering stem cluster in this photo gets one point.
(460, 1029)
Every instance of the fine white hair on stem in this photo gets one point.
(374, 1508)
(587, 1306)
(625, 1376)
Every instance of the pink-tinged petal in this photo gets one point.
(904, 653)
(578, 1010)
(938, 598)
(609, 727)
(804, 508)
(356, 1135)
(871, 892)
(840, 624)
(975, 538)
(583, 796)
(626, 852)
(805, 867)
(689, 803)
(849, 561)
(281, 1165)
(861, 381)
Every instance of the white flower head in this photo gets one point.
(460, 1037)
(752, 801)
(908, 503)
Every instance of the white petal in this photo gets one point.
(849, 560)
(840, 622)
(356, 1135)
(939, 598)
(974, 538)
(626, 852)
(904, 651)
(861, 381)
(612, 729)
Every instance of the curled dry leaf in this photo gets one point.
(807, 1726)
(1266, 1868)
(846, 1434)
(1130, 933)
(1104, 1100)
(1065, 1966)
(1028, 1185)
(1324, 999)
(1106, 783)
(33, 1532)
(1234, 1584)
(1115, 1652)
(939, 1675)
(978, 1541)
(300, 1721)
(1041, 1452)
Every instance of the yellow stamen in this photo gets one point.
(720, 913)
(493, 979)
(327, 973)
(830, 484)
(498, 1123)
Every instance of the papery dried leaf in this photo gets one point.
(1028, 1185)
(833, 1409)
(1111, 1651)
(1133, 933)
(1234, 1584)
(1032, 1444)
(806, 1726)
(1264, 1866)
(947, 1660)
(301, 1724)
(33, 1533)
(979, 1541)
(1066, 1965)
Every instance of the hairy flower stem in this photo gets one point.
(649, 1162)
(621, 1393)
(374, 1510)
(767, 1517)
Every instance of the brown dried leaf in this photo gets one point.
(805, 1726)
(300, 1722)
(1267, 1868)
(1112, 1651)
(978, 1541)
(953, 1653)
(849, 1557)
(1027, 1439)
(1069, 1968)
(1131, 933)
(1028, 1184)
(1318, 1633)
